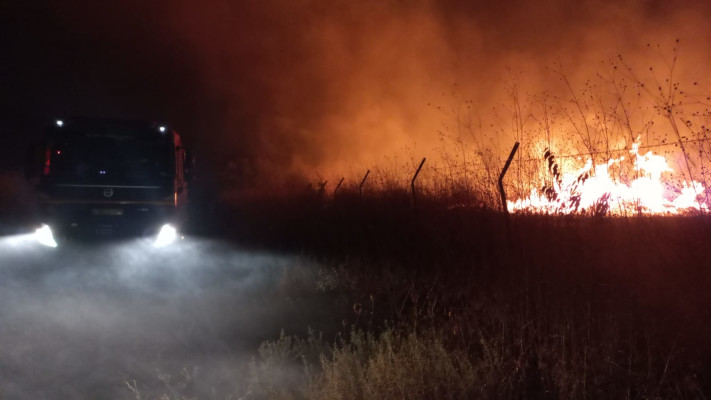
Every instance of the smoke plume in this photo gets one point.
(326, 87)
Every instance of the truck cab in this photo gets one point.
(111, 178)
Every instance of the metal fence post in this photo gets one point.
(360, 188)
(338, 186)
(412, 183)
(501, 179)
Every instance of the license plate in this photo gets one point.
(107, 211)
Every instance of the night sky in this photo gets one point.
(308, 85)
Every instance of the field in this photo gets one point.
(289, 290)
(461, 302)
(374, 299)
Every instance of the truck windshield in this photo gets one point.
(86, 157)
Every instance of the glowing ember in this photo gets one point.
(595, 190)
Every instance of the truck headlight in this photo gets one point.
(44, 236)
(166, 236)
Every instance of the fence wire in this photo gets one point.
(618, 150)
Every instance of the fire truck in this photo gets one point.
(110, 178)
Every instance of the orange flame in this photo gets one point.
(594, 190)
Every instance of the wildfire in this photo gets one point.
(594, 189)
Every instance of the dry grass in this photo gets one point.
(456, 302)
(365, 366)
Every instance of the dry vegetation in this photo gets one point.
(458, 302)
(453, 300)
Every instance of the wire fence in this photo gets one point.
(616, 150)
(479, 176)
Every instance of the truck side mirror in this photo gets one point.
(33, 162)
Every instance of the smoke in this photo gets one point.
(81, 320)
(324, 87)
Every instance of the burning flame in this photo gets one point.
(594, 190)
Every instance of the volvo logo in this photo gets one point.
(108, 192)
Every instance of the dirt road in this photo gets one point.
(82, 320)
